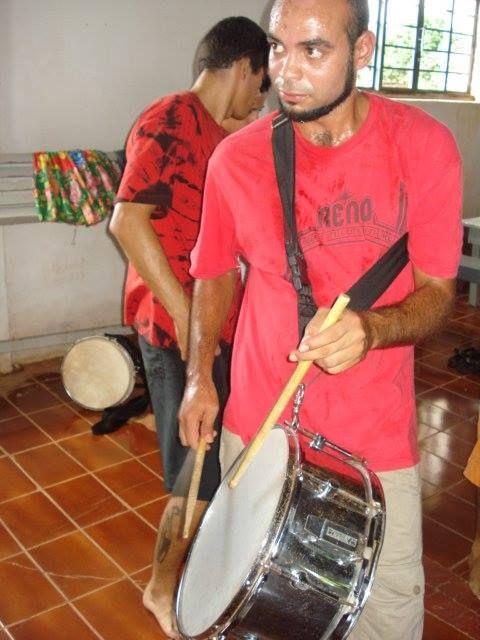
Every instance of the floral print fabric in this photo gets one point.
(77, 187)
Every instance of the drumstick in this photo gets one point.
(297, 376)
(194, 485)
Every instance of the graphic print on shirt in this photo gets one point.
(167, 152)
(351, 219)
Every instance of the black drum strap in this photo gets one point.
(371, 284)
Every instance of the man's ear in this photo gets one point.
(244, 67)
(364, 49)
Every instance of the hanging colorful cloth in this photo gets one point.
(77, 187)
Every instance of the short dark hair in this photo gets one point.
(230, 40)
(359, 17)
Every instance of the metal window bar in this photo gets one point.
(375, 59)
(449, 46)
(474, 46)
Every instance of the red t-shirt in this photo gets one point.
(167, 153)
(400, 172)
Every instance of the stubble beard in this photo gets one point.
(324, 110)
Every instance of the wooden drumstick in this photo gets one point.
(194, 486)
(296, 378)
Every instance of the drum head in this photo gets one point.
(232, 535)
(98, 372)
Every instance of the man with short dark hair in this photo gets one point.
(156, 222)
(368, 169)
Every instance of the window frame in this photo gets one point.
(377, 65)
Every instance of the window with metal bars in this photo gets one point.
(423, 46)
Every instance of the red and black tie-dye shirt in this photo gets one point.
(167, 153)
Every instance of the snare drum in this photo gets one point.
(98, 372)
(290, 553)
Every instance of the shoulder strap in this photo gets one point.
(283, 140)
(371, 285)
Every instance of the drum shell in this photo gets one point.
(281, 604)
(85, 373)
(276, 601)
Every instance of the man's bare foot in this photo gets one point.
(162, 606)
(170, 551)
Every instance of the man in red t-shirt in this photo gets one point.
(367, 170)
(156, 221)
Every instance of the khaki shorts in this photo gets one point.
(394, 610)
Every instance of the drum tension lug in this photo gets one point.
(318, 443)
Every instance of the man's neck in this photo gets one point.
(215, 90)
(338, 126)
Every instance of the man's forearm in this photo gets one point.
(211, 303)
(422, 314)
(136, 236)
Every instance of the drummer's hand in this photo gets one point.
(198, 411)
(337, 348)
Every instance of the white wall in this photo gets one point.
(76, 74)
(463, 118)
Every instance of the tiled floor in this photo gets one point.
(78, 513)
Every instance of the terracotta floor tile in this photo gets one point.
(34, 519)
(468, 330)
(421, 386)
(8, 546)
(464, 490)
(60, 422)
(75, 564)
(118, 614)
(126, 539)
(28, 592)
(435, 377)
(465, 430)
(142, 578)
(464, 387)
(7, 410)
(18, 434)
(95, 452)
(153, 461)
(32, 397)
(435, 629)
(453, 513)
(448, 447)
(421, 352)
(55, 385)
(90, 416)
(440, 397)
(454, 611)
(154, 511)
(462, 569)
(441, 345)
(57, 624)
(85, 500)
(48, 465)
(425, 431)
(471, 319)
(429, 489)
(136, 438)
(13, 482)
(437, 471)
(438, 361)
(436, 417)
(435, 573)
(443, 545)
(132, 482)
